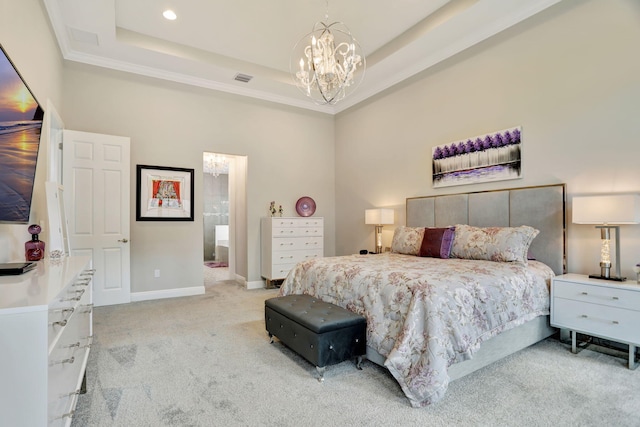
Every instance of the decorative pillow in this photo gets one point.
(502, 244)
(437, 242)
(407, 240)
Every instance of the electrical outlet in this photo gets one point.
(156, 273)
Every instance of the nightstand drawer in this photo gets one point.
(609, 295)
(607, 322)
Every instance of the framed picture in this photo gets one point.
(164, 194)
(492, 157)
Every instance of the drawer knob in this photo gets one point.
(63, 361)
(89, 341)
(67, 415)
(585, 293)
(88, 308)
(584, 316)
(83, 282)
(616, 298)
(73, 393)
(615, 322)
(60, 323)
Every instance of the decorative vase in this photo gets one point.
(34, 248)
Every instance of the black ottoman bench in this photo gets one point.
(322, 333)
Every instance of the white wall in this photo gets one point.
(290, 154)
(569, 76)
(27, 38)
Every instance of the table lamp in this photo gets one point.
(378, 217)
(608, 212)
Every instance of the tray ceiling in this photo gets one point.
(212, 41)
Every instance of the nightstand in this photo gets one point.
(600, 308)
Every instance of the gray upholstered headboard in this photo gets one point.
(540, 207)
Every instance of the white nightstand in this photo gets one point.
(600, 308)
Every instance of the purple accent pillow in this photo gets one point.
(437, 242)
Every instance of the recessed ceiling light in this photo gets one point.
(169, 14)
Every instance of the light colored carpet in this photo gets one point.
(206, 361)
(213, 275)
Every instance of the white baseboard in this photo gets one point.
(167, 293)
(256, 284)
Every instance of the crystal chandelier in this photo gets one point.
(327, 63)
(215, 164)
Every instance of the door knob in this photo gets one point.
(123, 240)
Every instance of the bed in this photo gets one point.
(432, 319)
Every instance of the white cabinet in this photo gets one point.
(600, 308)
(287, 241)
(45, 335)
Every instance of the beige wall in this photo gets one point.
(26, 36)
(569, 76)
(290, 153)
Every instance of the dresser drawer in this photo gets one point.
(294, 257)
(296, 243)
(609, 296)
(607, 322)
(280, 271)
(63, 309)
(296, 232)
(297, 222)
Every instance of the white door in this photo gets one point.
(96, 178)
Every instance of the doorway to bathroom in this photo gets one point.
(224, 217)
(216, 216)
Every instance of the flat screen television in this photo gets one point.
(20, 129)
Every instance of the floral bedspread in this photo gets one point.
(424, 314)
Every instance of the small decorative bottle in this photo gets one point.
(34, 248)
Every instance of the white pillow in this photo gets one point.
(501, 244)
(407, 240)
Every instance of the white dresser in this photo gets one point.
(45, 335)
(600, 308)
(286, 241)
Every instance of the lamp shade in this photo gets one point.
(378, 216)
(613, 209)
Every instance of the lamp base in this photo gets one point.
(614, 278)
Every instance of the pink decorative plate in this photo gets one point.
(305, 206)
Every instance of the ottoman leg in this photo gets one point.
(359, 363)
(321, 373)
(270, 338)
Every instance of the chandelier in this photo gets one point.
(327, 63)
(215, 164)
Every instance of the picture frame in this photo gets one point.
(164, 193)
(496, 156)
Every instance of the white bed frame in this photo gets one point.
(541, 207)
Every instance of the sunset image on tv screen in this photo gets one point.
(20, 127)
